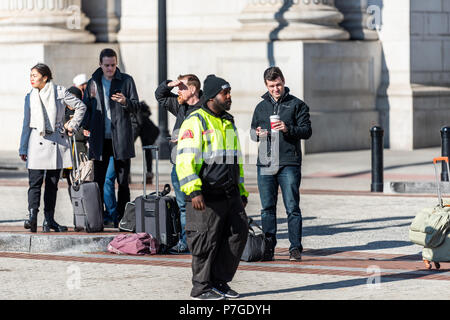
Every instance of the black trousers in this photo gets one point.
(35, 181)
(122, 168)
(216, 238)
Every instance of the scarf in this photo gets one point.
(43, 109)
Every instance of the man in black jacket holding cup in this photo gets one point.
(279, 122)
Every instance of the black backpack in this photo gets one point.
(258, 246)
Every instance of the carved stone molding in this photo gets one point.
(291, 20)
(47, 21)
(187, 20)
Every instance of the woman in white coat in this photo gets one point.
(44, 143)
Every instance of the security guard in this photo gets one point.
(209, 167)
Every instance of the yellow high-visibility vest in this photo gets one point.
(205, 139)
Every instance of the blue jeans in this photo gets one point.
(288, 178)
(181, 204)
(109, 193)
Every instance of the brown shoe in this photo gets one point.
(295, 255)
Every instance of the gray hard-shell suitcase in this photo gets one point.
(87, 204)
(158, 213)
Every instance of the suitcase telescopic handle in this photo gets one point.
(74, 152)
(156, 148)
(435, 161)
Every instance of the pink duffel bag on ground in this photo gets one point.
(135, 244)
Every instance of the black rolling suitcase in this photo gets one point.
(158, 213)
(86, 202)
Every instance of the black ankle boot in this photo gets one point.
(50, 223)
(31, 223)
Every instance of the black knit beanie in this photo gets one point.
(212, 86)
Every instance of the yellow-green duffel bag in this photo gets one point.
(438, 254)
(430, 226)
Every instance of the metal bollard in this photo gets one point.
(377, 159)
(445, 138)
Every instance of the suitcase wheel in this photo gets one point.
(427, 264)
(437, 265)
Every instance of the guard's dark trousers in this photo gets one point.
(216, 238)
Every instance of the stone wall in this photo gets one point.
(238, 40)
(430, 69)
(430, 42)
(347, 72)
(413, 97)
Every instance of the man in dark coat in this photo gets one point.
(280, 156)
(111, 97)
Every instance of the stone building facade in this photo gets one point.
(357, 63)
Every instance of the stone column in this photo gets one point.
(138, 21)
(43, 21)
(291, 20)
(103, 15)
(193, 21)
(357, 20)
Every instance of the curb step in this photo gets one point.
(37, 243)
(416, 187)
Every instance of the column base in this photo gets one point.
(29, 34)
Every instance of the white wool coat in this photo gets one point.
(52, 151)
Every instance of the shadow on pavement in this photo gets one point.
(354, 174)
(375, 245)
(331, 229)
(11, 221)
(368, 281)
(257, 218)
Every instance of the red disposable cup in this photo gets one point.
(274, 119)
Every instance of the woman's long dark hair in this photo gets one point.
(44, 70)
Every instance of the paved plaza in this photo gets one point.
(356, 242)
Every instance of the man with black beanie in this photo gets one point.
(209, 167)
